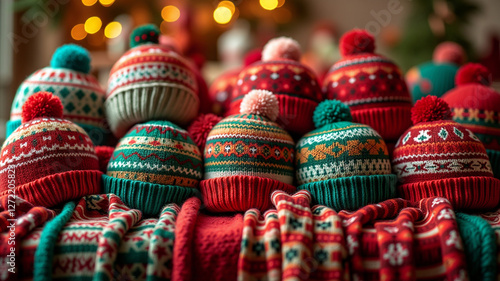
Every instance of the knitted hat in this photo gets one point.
(48, 160)
(155, 163)
(68, 78)
(294, 84)
(371, 85)
(439, 157)
(220, 91)
(344, 165)
(247, 157)
(150, 82)
(476, 106)
(438, 76)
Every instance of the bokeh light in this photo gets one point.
(222, 15)
(281, 3)
(170, 13)
(113, 29)
(269, 4)
(93, 24)
(107, 3)
(227, 4)
(78, 32)
(89, 2)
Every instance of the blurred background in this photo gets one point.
(216, 35)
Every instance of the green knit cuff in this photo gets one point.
(12, 125)
(147, 197)
(480, 246)
(495, 161)
(352, 193)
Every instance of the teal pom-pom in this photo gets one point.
(331, 111)
(144, 34)
(71, 56)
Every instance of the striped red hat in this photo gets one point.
(48, 160)
(439, 157)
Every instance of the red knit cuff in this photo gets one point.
(389, 122)
(55, 189)
(296, 114)
(470, 193)
(240, 193)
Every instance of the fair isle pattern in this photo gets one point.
(484, 123)
(357, 150)
(48, 146)
(442, 148)
(250, 145)
(151, 63)
(81, 95)
(157, 152)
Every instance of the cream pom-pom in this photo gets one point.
(260, 102)
(281, 48)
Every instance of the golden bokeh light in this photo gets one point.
(222, 15)
(227, 4)
(281, 3)
(170, 13)
(78, 32)
(113, 29)
(269, 4)
(89, 2)
(93, 24)
(107, 3)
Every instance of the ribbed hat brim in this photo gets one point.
(389, 122)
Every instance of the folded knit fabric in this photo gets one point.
(493, 219)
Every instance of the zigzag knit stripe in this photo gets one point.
(150, 167)
(334, 135)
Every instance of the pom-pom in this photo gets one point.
(42, 104)
(144, 34)
(449, 52)
(201, 127)
(473, 73)
(331, 111)
(281, 48)
(430, 108)
(104, 154)
(356, 41)
(252, 56)
(71, 56)
(260, 102)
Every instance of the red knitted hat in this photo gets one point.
(48, 160)
(294, 84)
(439, 157)
(476, 106)
(371, 85)
(221, 89)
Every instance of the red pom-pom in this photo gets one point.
(252, 56)
(473, 73)
(201, 127)
(104, 154)
(430, 108)
(449, 52)
(42, 104)
(356, 41)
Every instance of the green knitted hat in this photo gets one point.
(343, 164)
(155, 163)
(431, 78)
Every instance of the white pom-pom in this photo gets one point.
(281, 48)
(260, 102)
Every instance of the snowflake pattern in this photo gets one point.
(423, 136)
(446, 214)
(396, 254)
(352, 244)
(454, 240)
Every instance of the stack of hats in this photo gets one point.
(371, 85)
(68, 78)
(440, 157)
(344, 165)
(281, 73)
(150, 82)
(48, 160)
(437, 76)
(247, 156)
(476, 106)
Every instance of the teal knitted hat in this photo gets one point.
(155, 163)
(68, 78)
(344, 165)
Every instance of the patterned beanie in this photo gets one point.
(371, 85)
(476, 106)
(439, 157)
(150, 82)
(68, 78)
(247, 157)
(48, 160)
(155, 163)
(438, 76)
(344, 165)
(295, 85)
(221, 89)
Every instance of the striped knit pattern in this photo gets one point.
(81, 95)
(343, 149)
(43, 147)
(249, 145)
(157, 152)
(438, 150)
